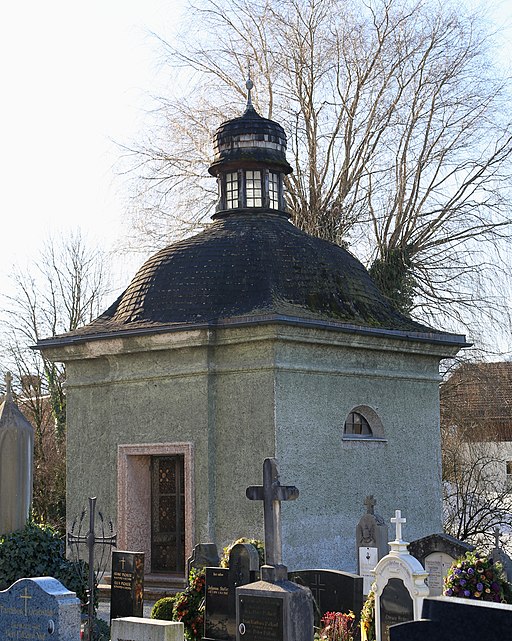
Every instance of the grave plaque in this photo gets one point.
(127, 591)
(261, 618)
(39, 609)
(395, 606)
(221, 583)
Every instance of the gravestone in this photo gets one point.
(332, 590)
(437, 552)
(371, 543)
(499, 555)
(273, 609)
(138, 629)
(399, 585)
(39, 609)
(16, 456)
(453, 619)
(127, 585)
(204, 555)
(220, 592)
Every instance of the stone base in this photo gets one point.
(138, 629)
(280, 611)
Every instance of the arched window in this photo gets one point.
(357, 425)
(363, 422)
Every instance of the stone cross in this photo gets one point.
(398, 521)
(497, 533)
(8, 383)
(272, 493)
(370, 503)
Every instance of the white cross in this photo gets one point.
(398, 520)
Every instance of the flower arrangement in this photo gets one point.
(336, 626)
(188, 606)
(368, 618)
(476, 576)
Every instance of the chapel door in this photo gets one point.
(167, 514)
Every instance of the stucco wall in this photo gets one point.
(240, 395)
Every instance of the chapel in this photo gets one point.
(252, 339)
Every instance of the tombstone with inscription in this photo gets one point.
(127, 587)
(332, 590)
(220, 592)
(273, 609)
(437, 552)
(39, 609)
(400, 585)
(371, 542)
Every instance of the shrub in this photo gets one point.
(163, 608)
(38, 550)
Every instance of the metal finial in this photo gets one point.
(8, 381)
(249, 85)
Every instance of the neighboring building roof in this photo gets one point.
(478, 396)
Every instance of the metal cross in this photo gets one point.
(398, 521)
(272, 493)
(26, 597)
(91, 540)
(370, 503)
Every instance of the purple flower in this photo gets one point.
(467, 593)
(479, 587)
(448, 592)
(495, 586)
(458, 571)
(471, 571)
(462, 582)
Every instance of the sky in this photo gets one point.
(75, 77)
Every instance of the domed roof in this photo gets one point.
(250, 265)
(250, 268)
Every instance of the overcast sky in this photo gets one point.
(75, 75)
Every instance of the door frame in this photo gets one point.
(134, 495)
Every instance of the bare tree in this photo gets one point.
(63, 289)
(476, 428)
(398, 129)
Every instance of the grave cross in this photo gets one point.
(497, 533)
(370, 503)
(91, 540)
(25, 596)
(272, 493)
(398, 521)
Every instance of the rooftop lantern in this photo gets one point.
(249, 163)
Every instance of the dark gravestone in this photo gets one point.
(436, 553)
(204, 555)
(221, 583)
(262, 618)
(332, 590)
(40, 609)
(395, 606)
(127, 588)
(452, 619)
